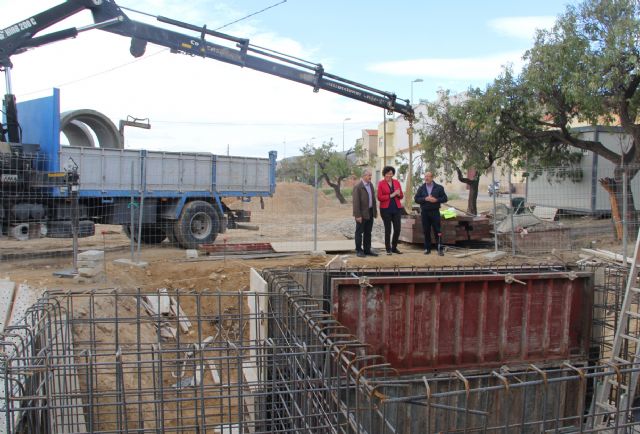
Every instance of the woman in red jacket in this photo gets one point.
(389, 196)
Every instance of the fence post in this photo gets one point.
(625, 221)
(511, 212)
(495, 225)
(315, 209)
(75, 222)
(140, 211)
(132, 215)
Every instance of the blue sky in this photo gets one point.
(206, 106)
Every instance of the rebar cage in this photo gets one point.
(260, 361)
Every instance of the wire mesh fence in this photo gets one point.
(133, 200)
(569, 208)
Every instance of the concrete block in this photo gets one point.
(123, 261)
(191, 253)
(90, 264)
(82, 279)
(91, 255)
(89, 271)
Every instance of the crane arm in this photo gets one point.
(108, 16)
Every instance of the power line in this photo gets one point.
(77, 80)
(68, 83)
(253, 14)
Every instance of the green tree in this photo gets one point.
(294, 169)
(333, 166)
(584, 70)
(462, 134)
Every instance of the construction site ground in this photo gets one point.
(36, 263)
(287, 216)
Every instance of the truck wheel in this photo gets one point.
(198, 224)
(151, 234)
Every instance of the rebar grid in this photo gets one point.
(99, 362)
(542, 397)
(529, 399)
(611, 280)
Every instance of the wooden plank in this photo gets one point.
(236, 247)
(327, 246)
(160, 302)
(470, 253)
(251, 380)
(183, 319)
(7, 293)
(605, 254)
(453, 230)
(606, 183)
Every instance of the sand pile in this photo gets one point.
(290, 197)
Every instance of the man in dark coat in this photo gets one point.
(364, 211)
(430, 195)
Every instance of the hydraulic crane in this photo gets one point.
(35, 198)
(108, 16)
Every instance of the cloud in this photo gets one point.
(521, 27)
(464, 68)
(194, 104)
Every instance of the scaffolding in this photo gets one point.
(262, 361)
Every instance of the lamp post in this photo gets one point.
(409, 185)
(343, 121)
(417, 80)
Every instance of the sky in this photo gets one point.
(204, 105)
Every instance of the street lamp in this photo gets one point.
(417, 80)
(343, 121)
(409, 183)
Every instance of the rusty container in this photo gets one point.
(427, 323)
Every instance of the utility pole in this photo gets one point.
(343, 121)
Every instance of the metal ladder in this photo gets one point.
(624, 386)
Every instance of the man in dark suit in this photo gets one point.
(364, 211)
(430, 195)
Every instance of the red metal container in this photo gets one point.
(426, 323)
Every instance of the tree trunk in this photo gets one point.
(336, 188)
(472, 202)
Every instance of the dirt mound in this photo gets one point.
(289, 197)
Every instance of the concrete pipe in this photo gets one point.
(78, 126)
(20, 231)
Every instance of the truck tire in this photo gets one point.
(199, 223)
(151, 234)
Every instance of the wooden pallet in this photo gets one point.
(459, 229)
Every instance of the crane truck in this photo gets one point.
(59, 191)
